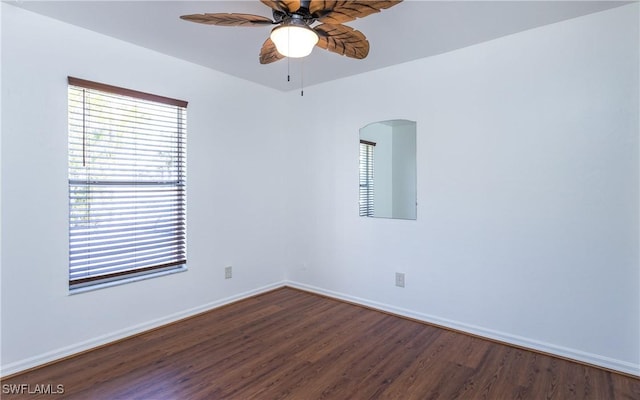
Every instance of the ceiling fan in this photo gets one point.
(295, 35)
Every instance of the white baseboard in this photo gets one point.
(22, 365)
(565, 352)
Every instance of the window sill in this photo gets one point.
(104, 285)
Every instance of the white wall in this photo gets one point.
(528, 180)
(235, 190)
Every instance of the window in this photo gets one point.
(127, 199)
(366, 178)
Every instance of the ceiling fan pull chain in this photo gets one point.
(288, 58)
(302, 77)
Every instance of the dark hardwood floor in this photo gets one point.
(296, 345)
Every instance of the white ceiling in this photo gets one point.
(411, 30)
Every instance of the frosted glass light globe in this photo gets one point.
(294, 40)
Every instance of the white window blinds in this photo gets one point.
(366, 178)
(127, 182)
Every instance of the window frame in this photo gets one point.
(174, 185)
(366, 206)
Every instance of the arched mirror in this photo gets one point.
(388, 169)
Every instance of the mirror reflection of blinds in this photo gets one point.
(127, 181)
(366, 178)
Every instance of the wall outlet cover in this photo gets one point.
(399, 279)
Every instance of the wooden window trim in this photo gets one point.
(126, 92)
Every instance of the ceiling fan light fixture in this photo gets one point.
(294, 39)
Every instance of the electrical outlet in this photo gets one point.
(228, 273)
(399, 279)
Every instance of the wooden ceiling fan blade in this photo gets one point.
(338, 12)
(228, 19)
(343, 40)
(287, 6)
(269, 53)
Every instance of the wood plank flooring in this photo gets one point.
(289, 344)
